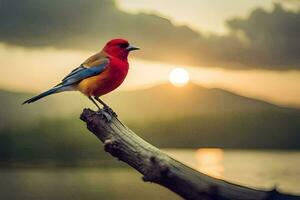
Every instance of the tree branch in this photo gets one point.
(158, 167)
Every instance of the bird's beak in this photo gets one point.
(132, 48)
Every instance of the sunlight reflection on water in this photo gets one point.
(253, 168)
(210, 161)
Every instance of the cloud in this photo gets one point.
(272, 38)
(263, 40)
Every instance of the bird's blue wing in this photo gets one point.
(74, 77)
(74, 71)
(83, 72)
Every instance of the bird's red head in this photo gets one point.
(119, 48)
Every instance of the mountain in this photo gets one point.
(159, 102)
(12, 111)
(166, 101)
(173, 117)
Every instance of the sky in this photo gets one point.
(201, 15)
(249, 47)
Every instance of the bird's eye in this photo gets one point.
(124, 45)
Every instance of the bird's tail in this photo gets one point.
(53, 90)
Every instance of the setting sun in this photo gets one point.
(179, 77)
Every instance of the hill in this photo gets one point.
(159, 102)
(167, 116)
(168, 102)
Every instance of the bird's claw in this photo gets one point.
(110, 111)
(107, 113)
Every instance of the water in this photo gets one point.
(262, 169)
(258, 169)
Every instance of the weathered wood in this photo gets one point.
(157, 167)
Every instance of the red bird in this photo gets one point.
(98, 75)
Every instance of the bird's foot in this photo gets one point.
(110, 111)
(107, 113)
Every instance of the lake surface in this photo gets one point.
(262, 169)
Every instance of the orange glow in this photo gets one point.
(210, 161)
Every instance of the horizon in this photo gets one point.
(169, 84)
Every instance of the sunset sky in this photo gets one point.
(238, 55)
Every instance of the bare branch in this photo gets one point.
(158, 167)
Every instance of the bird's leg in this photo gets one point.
(106, 107)
(100, 101)
(103, 113)
(94, 102)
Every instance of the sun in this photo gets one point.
(179, 77)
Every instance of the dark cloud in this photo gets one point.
(272, 38)
(264, 40)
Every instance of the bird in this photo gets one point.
(98, 75)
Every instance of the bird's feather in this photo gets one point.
(75, 76)
(83, 72)
(81, 67)
(56, 89)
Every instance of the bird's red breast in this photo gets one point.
(111, 78)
